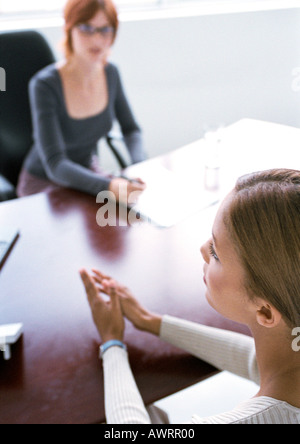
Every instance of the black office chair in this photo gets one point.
(22, 54)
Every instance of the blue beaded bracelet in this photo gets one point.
(114, 342)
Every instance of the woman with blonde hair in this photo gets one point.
(252, 276)
(74, 104)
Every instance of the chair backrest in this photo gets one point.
(22, 54)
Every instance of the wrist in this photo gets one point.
(109, 344)
(107, 338)
(152, 323)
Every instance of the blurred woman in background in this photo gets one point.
(74, 104)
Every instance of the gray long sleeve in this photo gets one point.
(63, 147)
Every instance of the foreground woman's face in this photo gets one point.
(223, 273)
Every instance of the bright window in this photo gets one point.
(15, 6)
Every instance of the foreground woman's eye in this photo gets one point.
(212, 251)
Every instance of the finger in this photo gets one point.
(89, 284)
(140, 181)
(138, 186)
(110, 283)
(105, 287)
(98, 280)
(100, 287)
(115, 300)
(101, 282)
(85, 278)
(100, 275)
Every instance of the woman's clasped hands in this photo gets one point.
(108, 313)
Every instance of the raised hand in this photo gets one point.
(107, 314)
(140, 317)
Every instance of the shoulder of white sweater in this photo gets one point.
(259, 410)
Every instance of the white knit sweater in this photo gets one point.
(225, 350)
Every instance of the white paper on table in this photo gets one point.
(170, 198)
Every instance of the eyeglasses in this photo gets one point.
(89, 30)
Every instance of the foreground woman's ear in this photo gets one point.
(267, 315)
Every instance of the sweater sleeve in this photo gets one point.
(51, 148)
(123, 402)
(223, 349)
(130, 129)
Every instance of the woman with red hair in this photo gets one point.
(75, 103)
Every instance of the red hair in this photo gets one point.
(81, 11)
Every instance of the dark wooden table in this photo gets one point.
(54, 375)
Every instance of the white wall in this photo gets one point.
(182, 74)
